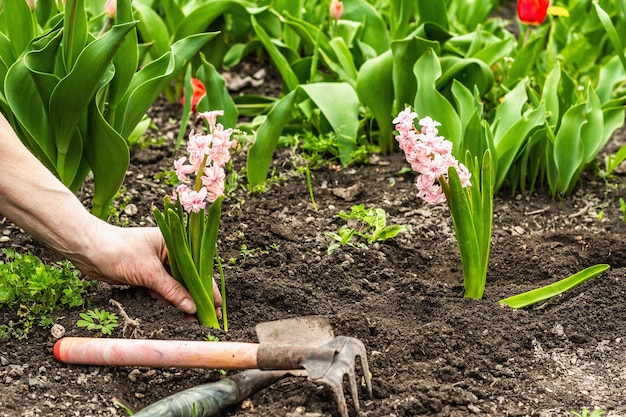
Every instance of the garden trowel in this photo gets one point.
(305, 343)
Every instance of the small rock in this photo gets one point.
(131, 209)
(57, 331)
(4, 361)
(4, 239)
(134, 374)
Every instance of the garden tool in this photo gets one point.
(210, 399)
(306, 343)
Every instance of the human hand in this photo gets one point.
(134, 256)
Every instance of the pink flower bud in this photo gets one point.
(336, 9)
(31, 5)
(110, 8)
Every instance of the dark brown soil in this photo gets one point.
(431, 351)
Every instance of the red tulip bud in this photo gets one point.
(532, 12)
(198, 92)
(336, 9)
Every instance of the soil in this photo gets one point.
(431, 351)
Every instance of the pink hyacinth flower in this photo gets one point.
(193, 201)
(211, 117)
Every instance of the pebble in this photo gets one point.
(57, 331)
(4, 361)
(131, 209)
(4, 239)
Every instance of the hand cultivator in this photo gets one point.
(297, 346)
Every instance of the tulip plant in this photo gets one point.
(443, 179)
(190, 218)
(74, 97)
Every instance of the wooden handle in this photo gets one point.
(156, 353)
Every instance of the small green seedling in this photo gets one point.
(35, 290)
(586, 413)
(622, 207)
(369, 224)
(97, 319)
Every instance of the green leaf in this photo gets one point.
(540, 294)
(151, 80)
(182, 253)
(20, 28)
(614, 37)
(71, 96)
(466, 236)
(342, 114)
(261, 153)
(568, 148)
(429, 102)
(217, 94)
(374, 86)
(75, 31)
(153, 30)
(280, 62)
(209, 244)
(108, 157)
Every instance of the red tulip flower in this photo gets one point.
(532, 12)
(198, 92)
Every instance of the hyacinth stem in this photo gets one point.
(471, 210)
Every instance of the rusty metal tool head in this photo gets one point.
(327, 359)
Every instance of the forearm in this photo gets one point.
(34, 199)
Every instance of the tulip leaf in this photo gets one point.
(261, 153)
(217, 94)
(66, 106)
(540, 294)
(430, 102)
(374, 86)
(20, 30)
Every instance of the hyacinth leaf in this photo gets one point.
(261, 153)
(540, 294)
(486, 207)
(467, 239)
(204, 301)
(208, 245)
(164, 227)
(374, 86)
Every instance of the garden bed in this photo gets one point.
(431, 351)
